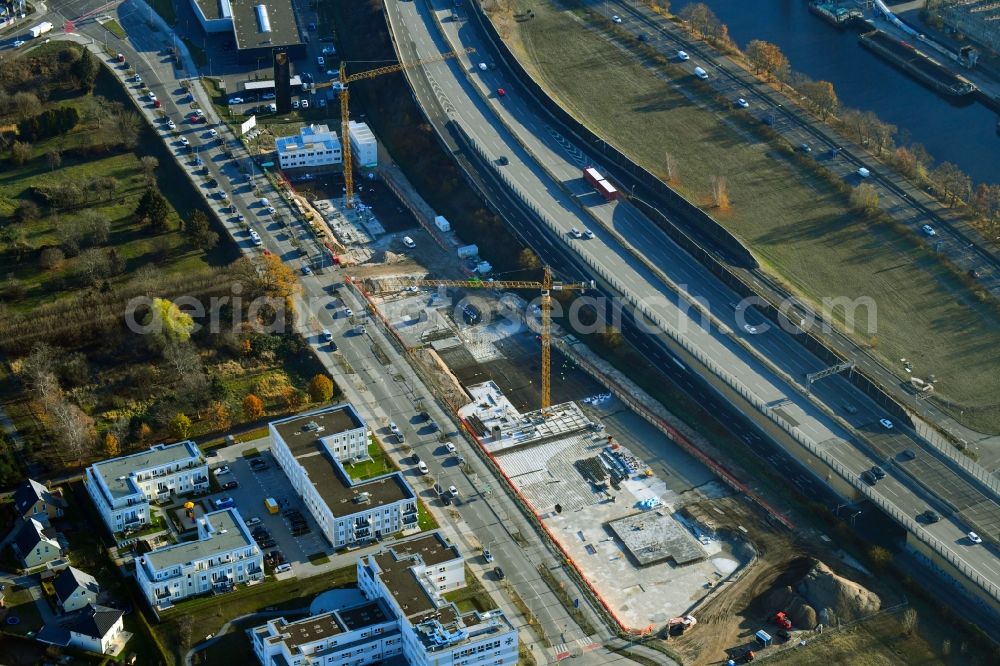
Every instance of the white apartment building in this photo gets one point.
(364, 147)
(310, 449)
(315, 146)
(122, 488)
(224, 556)
(404, 614)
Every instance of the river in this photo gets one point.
(964, 135)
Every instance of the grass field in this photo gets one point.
(797, 224)
(115, 28)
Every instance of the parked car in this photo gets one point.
(282, 568)
(498, 572)
(487, 555)
(451, 447)
(230, 485)
(267, 543)
(742, 103)
(445, 499)
(453, 490)
(616, 18)
(253, 522)
(422, 466)
(327, 335)
(219, 471)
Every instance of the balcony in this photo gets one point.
(409, 519)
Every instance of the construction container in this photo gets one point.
(467, 251)
(272, 505)
(484, 267)
(592, 176)
(441, 223)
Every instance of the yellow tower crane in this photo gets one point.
(547, 286)
(342, 83)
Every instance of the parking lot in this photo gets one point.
(254, 486)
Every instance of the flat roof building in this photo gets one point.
(315, 146)
(310, 449)
(258, 26)
(122, 487)
(364, 147)
(224, 555)
(404, 614)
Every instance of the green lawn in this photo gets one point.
(472, 597)
(424, 518)
(378, 465)
(798, 224)
(115, 28)
(210, 613)
(20, 605)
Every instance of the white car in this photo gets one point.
(886, 423)
(863, 172)
(18, 43)
(682, 55)
(451, 447)
(422, 466)
(236, 100)
(616, 18)
(271, 210)
(282, 568)
(184, 141)
(453, 490)
(152, 97)
(213, 133)
(742, 103)
(393, 427)
(575, 233)
(974, 538)
(348, 312)
(928, 230)
(588, 234)
(171, 124)
(483, 67)
(327, 335)
(137, 78)
(253, 522)
(257, 241)
(219, 471)
(752, 330)
(328, 50)
(408, 242)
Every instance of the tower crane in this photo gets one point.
(547, 286)
(341, 84)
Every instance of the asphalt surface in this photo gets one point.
(897, 196)
(486, 514)
(546, 176)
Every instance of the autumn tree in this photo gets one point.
(253, 407)
(880, 556)
(320, 389)
(111, 449)
(167, 323)
(50, 257)
(952, 182)
(821, 96)
(720, 192)
(701, 18)
(20, 153)
(864, 198)
(180, 426)
(528, 260)
(766, 57)
(219, 416)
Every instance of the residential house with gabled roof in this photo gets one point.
(75, 589)
(34, 500)
(35, 544)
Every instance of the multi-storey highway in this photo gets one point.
(543, 171)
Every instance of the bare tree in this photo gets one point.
(720, 192)
(909, 620)
(864, 197)
(54, 159)
(149, 164)
(952, 181)
(670, 164)
(74, 429)
(20, 153)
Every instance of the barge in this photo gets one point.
(917, 64)
(834, 14)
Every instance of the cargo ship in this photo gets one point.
(834, 14)
(917, 64)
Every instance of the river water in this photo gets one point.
(965, 135)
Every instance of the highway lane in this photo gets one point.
(478, 118)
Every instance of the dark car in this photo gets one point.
(974, 274)
(498, 572)
(930, 517)
(229, 485)
(869, 478)
(503, 161)
(643, 37)
(445, 498)
(878, 472)
(267, 543)
(907, 454)
(424, 416)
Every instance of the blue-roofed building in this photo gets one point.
(315, 146)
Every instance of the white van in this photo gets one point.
(408, 242)
(700, 73)
(282, 568)
(864, 173)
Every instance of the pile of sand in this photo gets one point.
(822, 596)
(386, 257)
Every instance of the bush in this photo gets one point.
(51, 122)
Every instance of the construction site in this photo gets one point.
(667, 548)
